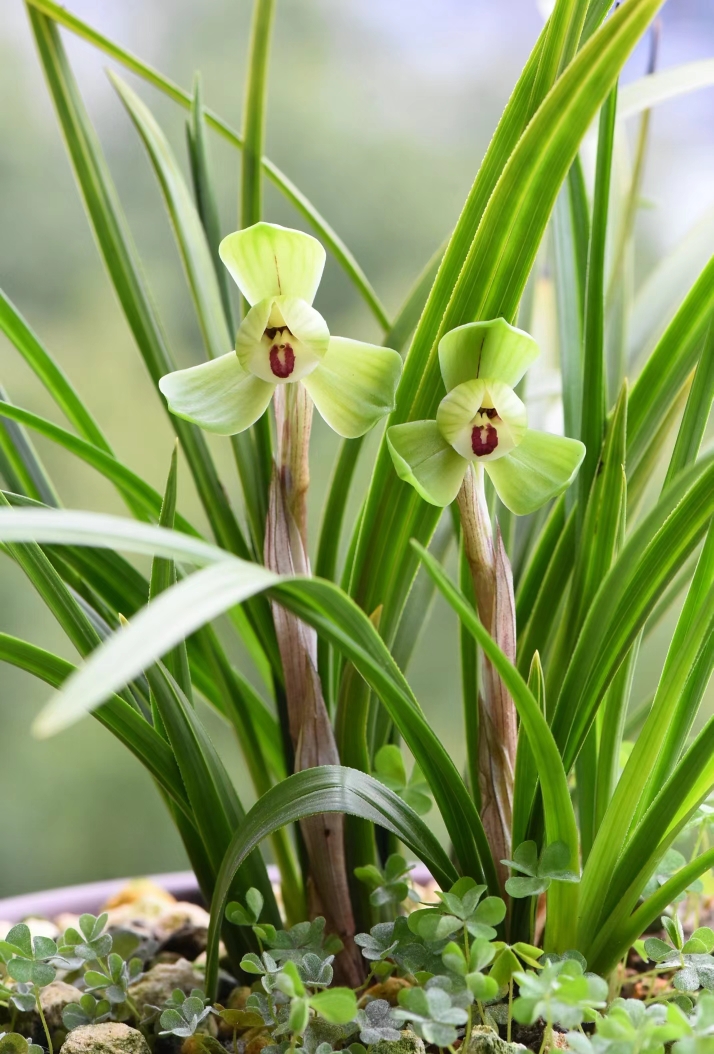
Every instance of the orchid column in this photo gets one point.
(481, 427)
(284, 352)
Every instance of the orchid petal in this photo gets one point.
(354, 386)
(459, 416)
(267, 260)
(493, 350)
(423, 458)
(218, 395)
(539, 468)
(308, 338)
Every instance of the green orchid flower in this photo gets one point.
(481, 421)
(282, 340)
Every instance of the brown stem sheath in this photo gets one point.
(498, 728)
(310, 728)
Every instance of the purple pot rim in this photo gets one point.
(89, 896)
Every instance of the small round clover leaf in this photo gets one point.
(390, 770)
(88, 943)
(184, 1016)
(553, 865)
(432, 1014)
(23, 997)
(116, 981)
(460, 908)
(630, 1027)
(88, 1011)
(389, 886)
(14, 1043)
(560, 994)
(377, 1022)
(31, 960)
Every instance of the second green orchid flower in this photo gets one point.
(282, 340)
(481, 420)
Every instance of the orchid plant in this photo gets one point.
(571, 547)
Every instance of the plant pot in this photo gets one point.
(89, 896)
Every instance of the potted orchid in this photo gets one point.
(563, 902)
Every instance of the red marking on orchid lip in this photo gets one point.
(282, 368)
(484, 439)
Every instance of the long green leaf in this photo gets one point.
(116, 715)
(322, 228)
(251, 194)
(121, 260)
(657, 88)
(696, 412)
(656, 905)
(203, 283)
(329, 788)
(559, 815)
(17, 330)
(20, 463)
(592, 416)
(648, 562)
(483, 275)
(206, 204)
(126, 481)
(226, 581)
(668, 366)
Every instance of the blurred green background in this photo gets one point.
(380, 111)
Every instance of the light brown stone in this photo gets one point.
(110, 1037)
(156, 986)
(54, 998)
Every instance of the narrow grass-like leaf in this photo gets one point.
(205, 288)
(555, 553)
(559, 816)
(20, 464)
(49, 373)
(571, 230)
(163, 576)
(696, 412)
(612, 726)
(190, 237)
(214, 802)
(679, 798)
(251, 195)
(526, 770)
(656, 88)
(121, 260)
(648, 562)
(594, 379)
(668, 366)
(468, 652)
(652, 908)
(206, 204)
(117, 473)
(228, 581)
(329, 788)
(511, 206)
(116, 715)
(602, 533)
(322, 228)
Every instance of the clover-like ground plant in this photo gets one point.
(571, 549)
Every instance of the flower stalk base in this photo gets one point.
(310, 728)
(498, 728)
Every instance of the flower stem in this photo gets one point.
(309, 723)
(509, 1026)
(43, 1019)
(498, 728)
